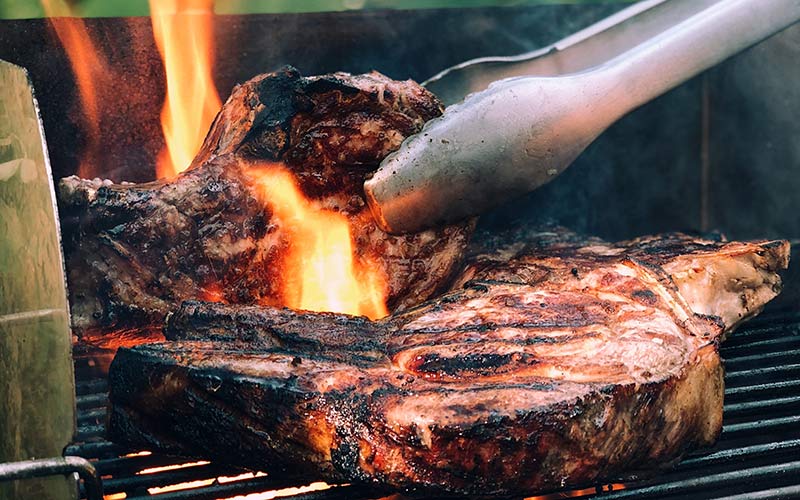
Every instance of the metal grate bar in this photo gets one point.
(751, 333)
(101, 450)
(773, 493)
(749, 347)
(166, 478)
(213, 492)
(256, 485)
(783, 372)
(91, 417)
(770, 386)
(769, 424)
(88, 432)
(93, 386)
(739, 453)
(135, 463)
(91, 401)
(792, 354)
(774, 403)
(91, 487)
(765, 473)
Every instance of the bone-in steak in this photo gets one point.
(556, 364)
(136, 251)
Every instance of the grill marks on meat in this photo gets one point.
(135, 252)
(729, 280)
(556, 365)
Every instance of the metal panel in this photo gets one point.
(37, 393)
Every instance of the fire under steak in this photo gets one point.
(558, 363)
(136, 251)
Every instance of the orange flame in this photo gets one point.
(183, 33)
(90, 68)
(320, 271)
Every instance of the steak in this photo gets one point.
(558, 363)
(136, 251)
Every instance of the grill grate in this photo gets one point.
(757, 455)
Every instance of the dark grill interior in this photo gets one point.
(756, 456)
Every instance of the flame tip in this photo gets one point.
(183, 33)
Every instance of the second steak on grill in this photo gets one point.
(556, 364)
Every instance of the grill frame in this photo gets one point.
(752, 459)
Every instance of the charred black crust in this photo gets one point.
(773, 244)
(330, 83)
(325, 335)
(280, 100)
(480, 364)
(199, 399)
(645, 296)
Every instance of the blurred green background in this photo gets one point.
(23, 9)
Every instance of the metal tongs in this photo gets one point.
(526, 118)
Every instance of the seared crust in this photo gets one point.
(547, 369)
(266, 411)
(135, 252)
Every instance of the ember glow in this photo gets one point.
(579, 493)
(203, 482)
(183, 32)
(180, 486)
(321, 270)
(269, 495)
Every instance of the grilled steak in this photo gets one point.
(134, 252)
(555, 364)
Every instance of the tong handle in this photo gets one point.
(520, 133)
(687, 49)
(584, 49)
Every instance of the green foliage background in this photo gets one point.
(23, 9)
